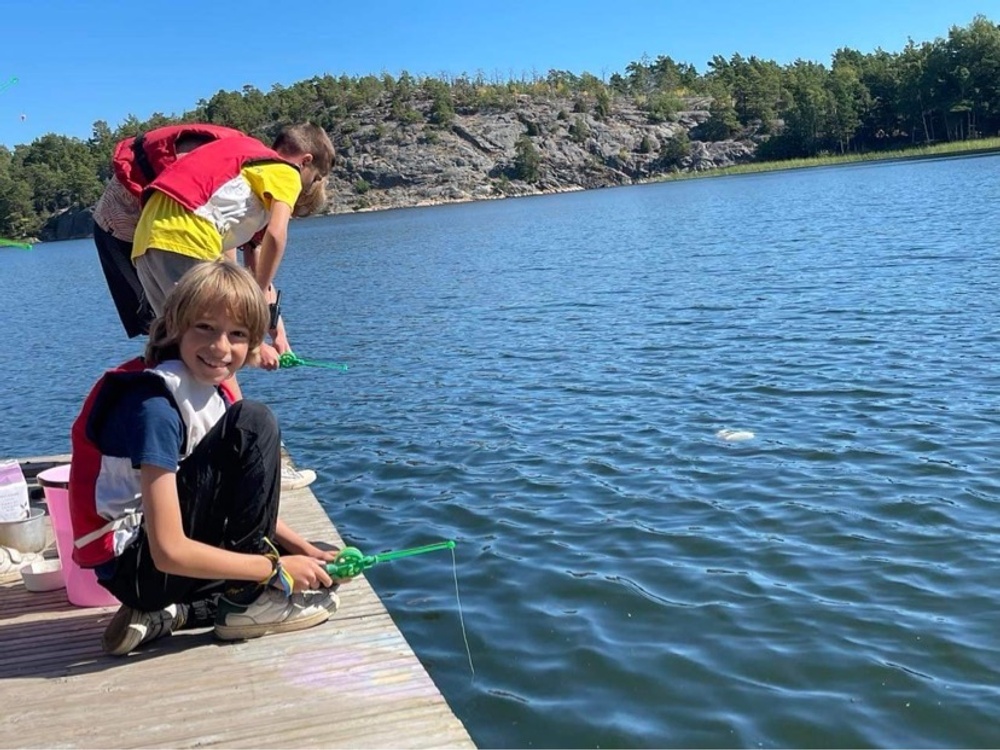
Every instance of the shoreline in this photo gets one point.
(955, 150)
(925, 153)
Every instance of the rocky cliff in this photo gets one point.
(69, 224)
(385, 163)
(389, 160)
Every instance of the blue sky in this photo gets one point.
(80, 61)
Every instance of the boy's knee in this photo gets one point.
(254, 415)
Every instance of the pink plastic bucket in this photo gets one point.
(82, 588)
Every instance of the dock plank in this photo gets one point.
(352, 682)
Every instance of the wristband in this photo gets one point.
(279, 577)
(275, 309)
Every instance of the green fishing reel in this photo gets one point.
(351, 561)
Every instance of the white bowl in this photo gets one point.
(44, 575)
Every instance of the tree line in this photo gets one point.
(944, 90)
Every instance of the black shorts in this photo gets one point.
(123, 282)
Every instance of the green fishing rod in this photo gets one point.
(290, 359)
(351, 561)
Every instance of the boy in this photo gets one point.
(174, 488)
(216, 199)
(135, 163)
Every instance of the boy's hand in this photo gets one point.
(307, 572)
(269, 357)
(326, 556)
(323, 555)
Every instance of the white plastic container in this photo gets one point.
(13, 492)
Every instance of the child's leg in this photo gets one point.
(229, 485)
(229, 491)
(123, 282)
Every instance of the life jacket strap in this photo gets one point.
(132, 519)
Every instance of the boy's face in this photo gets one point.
(309, 173)
(310, 176)
(215, 347)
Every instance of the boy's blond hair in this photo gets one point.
(306, 138)
(310, 201)
(200, 291)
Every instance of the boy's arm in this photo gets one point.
(268, 258)
(297, 544)
(273, 247)
(175, 553)
(280, 338)
(250, 254)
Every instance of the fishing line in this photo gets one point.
(461, 618)
(351, 561)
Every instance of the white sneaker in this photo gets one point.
(334, 604)
(295, 479)
(130, 628)
(272, 612)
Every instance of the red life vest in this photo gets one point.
(86, 464)
(193, 180)
(138, 161)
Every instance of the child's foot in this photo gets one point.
(273, 612)
(295, 479)
(130, 628)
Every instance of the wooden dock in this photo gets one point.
(352, 682)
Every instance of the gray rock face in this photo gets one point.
(385, 163)
(382, 163)
(70, 224)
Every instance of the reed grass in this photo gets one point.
(935, 151)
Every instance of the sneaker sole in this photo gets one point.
(120, 637)
(124, 634)
(246, 632)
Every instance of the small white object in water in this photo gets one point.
(735, 435)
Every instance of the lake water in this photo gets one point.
(544, 380)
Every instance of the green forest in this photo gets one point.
(937, 91)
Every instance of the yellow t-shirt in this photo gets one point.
(236, 212)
